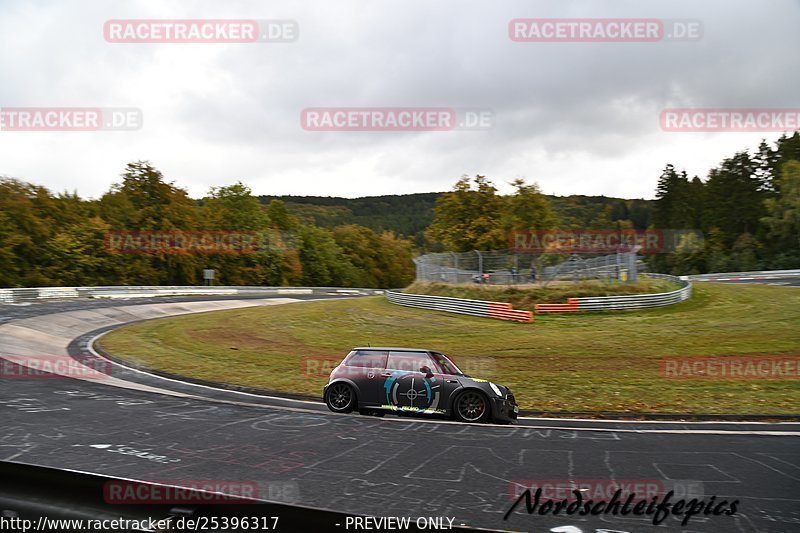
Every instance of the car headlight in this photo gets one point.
(495, 389)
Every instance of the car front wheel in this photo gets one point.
(340, 398)
(471, 406)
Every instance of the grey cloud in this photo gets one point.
(559, 106)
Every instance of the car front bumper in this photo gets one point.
(504, 410)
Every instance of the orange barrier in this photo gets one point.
(572, 306)
(505, 311)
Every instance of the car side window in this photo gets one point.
(367, 359)
(445, 364)
(411, 361)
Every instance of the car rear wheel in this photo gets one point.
(340, 398)
(471, 406)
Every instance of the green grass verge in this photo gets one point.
(525, 297)
(587, 362)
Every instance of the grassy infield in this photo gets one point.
(588, 362)
(526, 296)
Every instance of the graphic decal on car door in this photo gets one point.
(410, 383)
(412, 391)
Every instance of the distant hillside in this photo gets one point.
(579, 210)
(409, 214)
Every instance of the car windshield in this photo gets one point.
(447, 366)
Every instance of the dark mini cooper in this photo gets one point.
(377, 381)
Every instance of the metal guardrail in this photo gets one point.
(758, 274)
(505, 311)
(635, 301)
(480, 308)
(58, 293)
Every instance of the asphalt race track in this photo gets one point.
(155, 429)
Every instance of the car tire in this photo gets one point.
(471, 406)
(341, 398)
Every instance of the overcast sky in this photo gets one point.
(578, 118)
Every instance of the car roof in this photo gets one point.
(393, 348)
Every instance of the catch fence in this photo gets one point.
(507, 267)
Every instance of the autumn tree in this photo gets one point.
(473, 216)
(783, 215)
(528, 208)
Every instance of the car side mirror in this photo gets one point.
(427, 371)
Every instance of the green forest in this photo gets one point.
(60, 240)
(409, 215)
(748, 209)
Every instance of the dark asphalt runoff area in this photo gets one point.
(401, 467)
(16, 311)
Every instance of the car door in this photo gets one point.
(405, 387)
(449, 377)
(364, 368)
